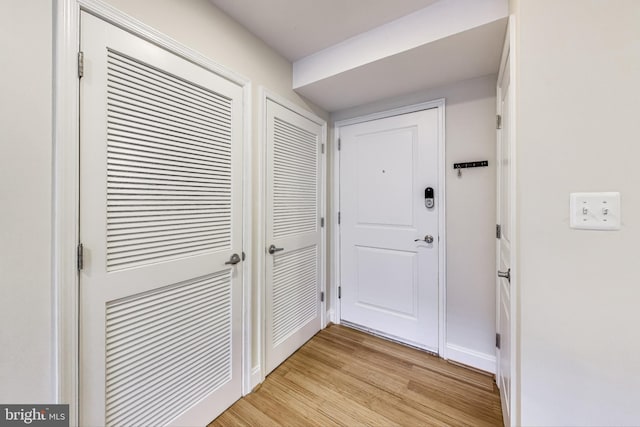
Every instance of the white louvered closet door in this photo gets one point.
(160, 214)
(293, 271)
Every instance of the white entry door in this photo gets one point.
(503, 259)
(161, 225)
(293, 232)
(388, 236)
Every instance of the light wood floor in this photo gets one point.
(349, 378)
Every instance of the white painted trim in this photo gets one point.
(442, 233)
(261, 229)
(265, 95)
(292, 106)
(436, 103)
(441, 195)
(256, 376)
(120, 19)
(515, 294)
(335, 241)
(330, 312)
(66, 176)
(475, 359)
(65, 198)
(323, 213)
(247, 247)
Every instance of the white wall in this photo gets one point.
(470, 136)
(578, 130)
(26, 359)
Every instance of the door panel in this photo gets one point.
(295, 299)
(505, 207)
(160, 214)
(389, 281)
(293, 272)
(385, 177)
(378, 267)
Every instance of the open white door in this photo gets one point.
(161, 225)
(505, 234)
(389, 234)
(293, 232)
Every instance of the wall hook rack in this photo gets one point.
(476, 164)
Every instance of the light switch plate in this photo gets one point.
(595, 211)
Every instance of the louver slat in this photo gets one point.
(168, 166)
(167, 349)
(295, 174)
(294, 292)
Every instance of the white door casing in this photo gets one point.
(161, 213)
(505, 256)
(389, 281)
(293, 267)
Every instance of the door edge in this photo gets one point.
(509, 52)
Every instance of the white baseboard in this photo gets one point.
(331, 316)
(475, 359)
(256, 377)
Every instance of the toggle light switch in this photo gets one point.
(595, 211)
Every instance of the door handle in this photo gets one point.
(273, 249)
(505, 274)
(235, 258)
(428, 239)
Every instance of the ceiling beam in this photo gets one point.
(435, 22)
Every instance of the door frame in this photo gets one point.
(439, 104)
(264, 95)
(66, 195)
(509, 50)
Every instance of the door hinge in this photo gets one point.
(321, 296)
(321, 222)
(498, 121)
(338, 218)
(80, 64)
(339, 292)
(498, 231)
(322, 148)
(498, 341)
(339, 144)
(80, 257)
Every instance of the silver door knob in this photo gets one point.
(235, 258)
(505, 274)
(428, 239)
(273, 249)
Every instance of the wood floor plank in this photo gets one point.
(345, 377)
(396, 384)
(299, 397)
(417, 357)
(244, 413)
(378, 399)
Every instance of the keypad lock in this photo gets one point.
(428, 197)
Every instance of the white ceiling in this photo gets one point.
(346, 53)
(297, 28)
